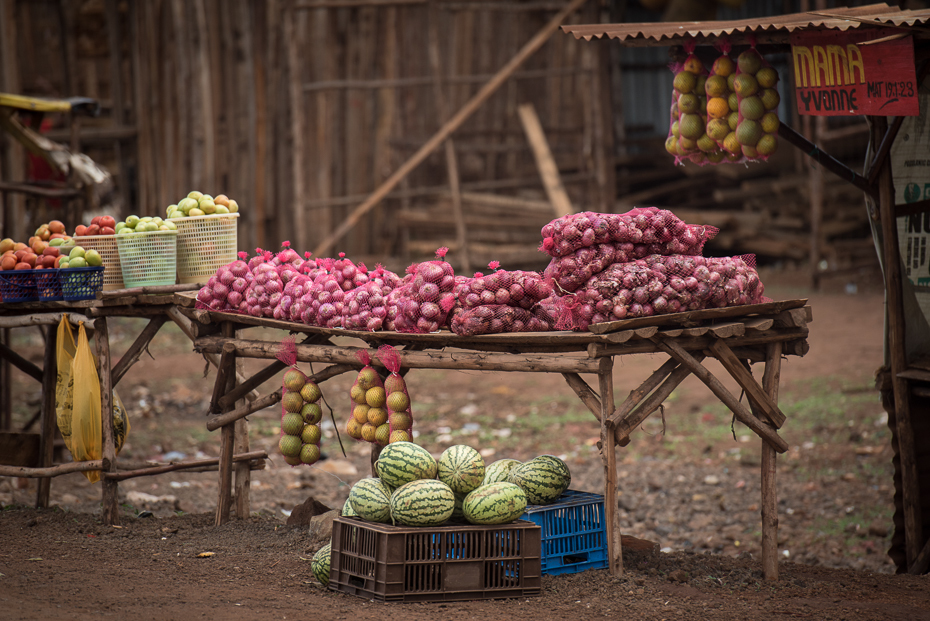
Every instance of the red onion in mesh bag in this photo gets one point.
(659, 229)
(224, 290)
(659, 285)
(322, 304)
(500, 318)
(425, 301)
(518, 288)
(366, 307)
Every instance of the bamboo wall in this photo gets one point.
(299, 109)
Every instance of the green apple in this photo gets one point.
(207, 206)
(56, 242)
(93, 258)
(146, 219)
(76, 252)
(233, 206)
(170, 209)
(125, 231)
(171, 226)
(63, 264)
(222, 209)
(195, 212)
(132, 221)
(205, 197)
(186, 205)
(77, 262)
(195, 195)
(119, 225)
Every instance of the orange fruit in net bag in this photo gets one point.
(717, 108)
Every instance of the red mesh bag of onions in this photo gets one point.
(499, 319)
(661, 231)
(225, 291)
(366, 306)
(400, 415)
(322, 303)
(368, 404)
(658, 285)
(509, 288)
(424, 302)
(299, 440)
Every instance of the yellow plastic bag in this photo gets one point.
(86, 434)
(64, 388)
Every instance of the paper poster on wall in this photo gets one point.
(855, 72)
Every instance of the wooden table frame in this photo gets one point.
(736, 337)
(154, 303)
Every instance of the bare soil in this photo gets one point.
(689, 483)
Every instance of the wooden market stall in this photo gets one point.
(886, 93)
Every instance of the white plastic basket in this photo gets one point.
(148, 259)
(205, 243)
(106, 246)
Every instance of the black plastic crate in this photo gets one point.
(444, 563)
(574, 535)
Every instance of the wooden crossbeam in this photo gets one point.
(744, 378)
(138, 346)
(21, 363)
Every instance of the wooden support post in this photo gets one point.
(225, 381)
(10, 356)
(224, 372)
(49, 426)
(894, 309)
(741, 412)
(758, 396)
(243, 480)
(110, 488)
(138, 346)
(770, 380)
(609, 457)
(6, 378)
(545, 163)
(637, 394)
(450, 126)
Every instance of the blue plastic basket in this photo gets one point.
(18, 286)
(48, 285)
(81, 283)
(574, 535)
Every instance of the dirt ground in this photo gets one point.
(689, 483)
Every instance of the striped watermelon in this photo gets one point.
(320, 564)
(457, 514)
(495, 503)
(558, 463)
(461, 467)
(499, 470)
(347, 510)
(424, 502)
(402, 462)
(371, 500)
(541, 479)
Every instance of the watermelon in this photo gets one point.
(320, 564)
(371, 500)
(558, 463)
(347, 510)
(542, 480)
(499, 470)
(461, 467)
(457, 514)
(495, 503)
(403, 462)
(424, 502)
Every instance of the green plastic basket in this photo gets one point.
(148, 259)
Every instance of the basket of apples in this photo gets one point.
(207, 234)
(100, 235)
(147, 251)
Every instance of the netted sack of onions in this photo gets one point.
(225, 290)
(366, 306)
(518, 288)
(659, 229)
(322, 303)
(500, 319)
(658, 285)
(424, 302)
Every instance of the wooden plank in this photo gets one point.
(744, 378)
(21, 363)
(138, 346)
(110, 488)
(221, 420)
(792, 336)
(411, 359)
(741, 412)
(794, 318)
(896, 335)
(545, 163)
(697, 316)
(759, 324)
(770, 381)
(726, 330)
(635, 418)
(449, 127)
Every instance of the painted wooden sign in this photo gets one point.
(868, 72)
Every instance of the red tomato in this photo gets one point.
(93, 229)
(107, 222)
(79, 229)
(107, 230)
(95, 220)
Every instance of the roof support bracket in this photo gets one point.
(826, 160)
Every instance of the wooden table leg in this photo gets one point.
(609, 456)
(241, 445)
(110, 486)
(225, 380)
(770, 380)
(49, 423)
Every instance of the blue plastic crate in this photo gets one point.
(574, 535)
(48, 285)
(18, 286)
(81, 283)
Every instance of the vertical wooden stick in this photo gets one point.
(110, 487)
(609, 457)
(770, 380)
(241, 445)
(225, 379)
(47, 437)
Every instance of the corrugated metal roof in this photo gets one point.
(763, 30)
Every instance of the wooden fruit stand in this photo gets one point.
(154, 303)
(735, 336)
